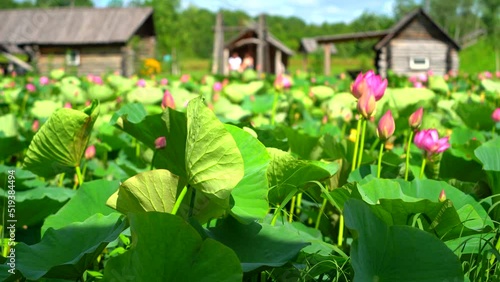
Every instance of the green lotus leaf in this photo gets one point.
(154, 190)
(59, 145)
(43, 109)
(101, 93)
(145, 95)
(322, 92)
(214, 164)
(166, 248)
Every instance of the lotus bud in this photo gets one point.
(442, 196)
(160, 142)
(496, 115)
(386, 126)
(325, 119)
(415, 119)
(163, 81)
(216, 97)
(217, 87)
(35, 126)
(167, 101)
(369, 83)
(44, 80)
(68, 105)
(185, 78)
(30, 87)
(367, 105)
(90, 152)
(141, 83)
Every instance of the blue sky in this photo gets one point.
(311, 11)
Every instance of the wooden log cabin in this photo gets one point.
(415, 44)
(81, 40)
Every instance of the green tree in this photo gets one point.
(403, 7)
(64, 3)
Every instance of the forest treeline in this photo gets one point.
(190, 31)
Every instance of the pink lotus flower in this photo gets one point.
(418, 84)
(44, 80)
(68, 105)
(30, 87)
(168, 100)
(160, 142)
(496, 115)
(369, 83)
(185, 78)
(217, 87)
(488, 74)
(430, 73)
(35, 126)
(422, 77)
(97, 80)
(141, 83)
(282, 81)
(428, 140)
(90, 152)
(386, 126)
(415, 119)
(163, 81)
(412, 79)
(367, 105)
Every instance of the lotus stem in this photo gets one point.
(362, 143)
(61, 180)
(153, 160)
(191, 203)
(275, 215)
(356, 145)
(422, 168)
(341, 230)
(79, 176)
(497, 246)
(379, 164)
(275, 106)
(299, 202)
(292, 209)
(179, 199)
(408, 154)
(321, 211)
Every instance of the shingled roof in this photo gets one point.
(251, 32)
(72, 26)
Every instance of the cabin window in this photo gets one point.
(419, 63)
(73, 57)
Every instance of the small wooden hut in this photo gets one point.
(275, 53)
(414, 45)
(310, 45)
(85, 40)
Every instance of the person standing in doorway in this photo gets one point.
(248, 62)
(234, 62)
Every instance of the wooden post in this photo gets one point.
(218, 61)
(327, 59)
(261, 47)
(225, 67)
(278, 64)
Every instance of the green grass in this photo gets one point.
(478, 57)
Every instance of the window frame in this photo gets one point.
(420, 66)
(69, 61)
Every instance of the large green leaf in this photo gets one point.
(476, 115)
(173, 126)
(214, 164)
(396, 253)
(489, 155)
(286, 174)
(9, 136)
(250, 194)
(89, 199)
(42, 109)
(67, 252)
(301, 143)
(72, 93)
(237, 91)
(32, 206)
(259, 244)
(322, 92)
(145, 95)
(167, 248)
(154, 190)
(59, 145)
(101, 92)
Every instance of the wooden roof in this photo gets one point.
(351, 36)
(399, 26)
(309, 45)
(249, 36)
(72, 26)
